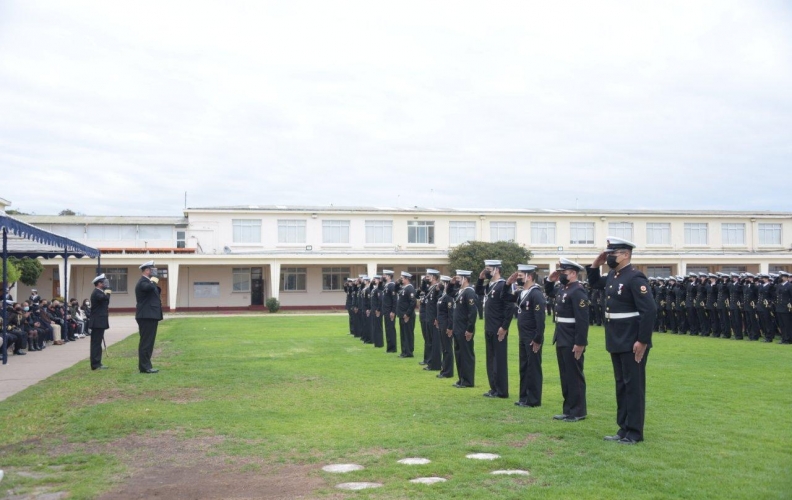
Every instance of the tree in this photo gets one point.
(67, 211)
(15, 212)
(29, 269)
(471, 255)
(13, 273)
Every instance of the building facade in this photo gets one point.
(237, 257)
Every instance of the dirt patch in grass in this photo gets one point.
(522, 443)
(166, 465)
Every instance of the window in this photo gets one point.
(733, 269)
(72, 231)
(581, 233)
(697, 269)
(774, 268)
(379, 231)
(420, 231)
(658, 271)
(543, 233)
(291, 231)
(461, 231)
(246, 230)
(117, 277)
(293, 279)
(111, 232)
(502, 231)
(695, 233)
(335, 231)
(241, 281)
(621, 230)
(733, 234)
(181, 239)
(151, 232)
(770, 234)
(658, 233)
(333, 278)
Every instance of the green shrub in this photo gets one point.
(273, 305)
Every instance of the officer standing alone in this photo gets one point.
(148, 314)
(629, 315)
(99, 321)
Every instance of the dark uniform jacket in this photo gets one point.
(406, 304)
(389, 298)
(783, 303)
(735, 294)
(530, 313)
(750, 295)
(626, 292)
(376, 299)
(465, 311)
(763, 292)
(723, 295)
(701, 296)
(498, 309)
(691, 290)
(149, 305)
(712, 295)
(430, 299)
(350, 298)
(100, 303)
(571, 302)
(445, 310)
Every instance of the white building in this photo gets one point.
(236, 257)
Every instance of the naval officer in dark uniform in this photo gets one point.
(430, 299)
(445, 313)
(571, 338)
(389, 298)
(148, 314)
(463, 330)
(629, 315)
(405, 310)
(498, 314)
(530, 326)
(99, 321)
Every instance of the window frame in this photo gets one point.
(375, 226)
(582, 226)
(335, 273)
(666, 229)
(241, 271)
(763, 230)
(497, 225)
(331, 226)
(297, 225)
(454, 229)
(701, 225)
(545, 227)
(413, 229)
(246, 228)
(727, 228)
(298, 273)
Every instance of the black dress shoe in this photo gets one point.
(19, 353)
(574, 419)
(100, 367)
(559, 417)
(521, 403)
(626, 440)
(440, 375)
(490, 394)
(615, 437)
(766, 340)
(150, 370)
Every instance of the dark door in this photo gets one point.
(256, 287)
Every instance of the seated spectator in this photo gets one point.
(53, 328)
(34, 298)
(76, 316)
(16, 337)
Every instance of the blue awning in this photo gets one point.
(25, 240)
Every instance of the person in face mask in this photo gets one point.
(571, 338)
(99, 322)
(530, 327)
(498, 314)
(445, 311)
(630, 313)
(389, 298)
(148, 314)
(405, 311)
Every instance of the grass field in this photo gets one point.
(244, 403)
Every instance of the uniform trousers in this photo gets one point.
(446, 351)
(465, 359)
(407, 334)
(97, 335)
(630, 393)
(693, 321)
(725, 324)
(427, 338)
(736, 323)
(435, 355)
(148, 334)
(390, 333)
(376, 329)
(573, 382)
(531, 378)
(714, 320)
(497, 363)
(785, 320)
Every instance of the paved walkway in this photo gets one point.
(23, 371)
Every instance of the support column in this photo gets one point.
(64, 271)
(764, 267)
(372, 269)
(275, 268)
(682, 268)
(173, 285)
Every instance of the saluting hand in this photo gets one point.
(512, 278)
(639, 350)
(481, 275)
(553, 276)
(601, 259)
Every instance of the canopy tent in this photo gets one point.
(23, 240)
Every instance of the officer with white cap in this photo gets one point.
(445, 312)
(432, 340)
(376, 311)
(750, 298)
(530, 326)
(99, 322)
(571, 338)
(405, 310)
(498, 314)
(464, 328)
(148, 314)
(735, 305)
(629, 315)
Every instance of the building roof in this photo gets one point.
(100, 219)
(488, 211)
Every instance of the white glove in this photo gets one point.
(108, 291)
(155, 280)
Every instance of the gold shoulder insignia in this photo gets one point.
(582, 303)
(472, 301)
(538, 307)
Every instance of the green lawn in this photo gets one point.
(279, 391)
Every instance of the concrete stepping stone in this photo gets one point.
(414, 461)
(428, 480)
(511, 472)
(357, 486)
(483, 456)
(341, 468)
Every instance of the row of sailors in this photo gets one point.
(734, 305)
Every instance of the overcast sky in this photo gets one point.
(118, 108)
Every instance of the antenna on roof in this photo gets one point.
(185, 199)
